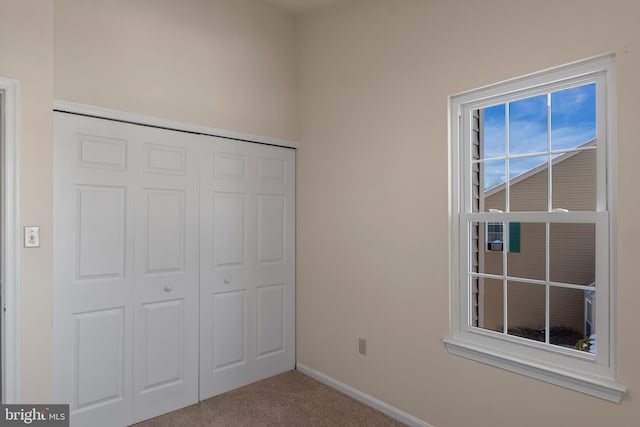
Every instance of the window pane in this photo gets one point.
(567, 317)
(528, 126)
(526, 310)
(494, 142)
(493, 173)
(523, 167)
(486, 247)
(573, 117)
(494, 177)
(490, 305)
(528, 180)
(572, 253)
(574, 181)
(529, 263)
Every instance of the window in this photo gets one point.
(532, 174)
(495, 236)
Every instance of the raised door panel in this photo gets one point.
(229, 166)
(270, 319)
(229, 229)
(100, 222)
(165, 225)
(270, 169)
(98, 349)
(164, 159)
(271, 228)
(102, 152)
(229, 329)
(164, 339)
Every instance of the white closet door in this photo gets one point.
(93, 270)
(173, 256)
(165, 323)
(246, 264)
(125, 205)
(275, 261)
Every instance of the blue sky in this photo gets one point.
(573, 122)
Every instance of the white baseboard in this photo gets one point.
(376, 404)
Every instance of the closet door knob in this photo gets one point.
(227, 280)
(167, 288)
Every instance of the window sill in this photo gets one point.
(591, 385)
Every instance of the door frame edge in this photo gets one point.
(11, 243)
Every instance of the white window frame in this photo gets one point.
(593, 374)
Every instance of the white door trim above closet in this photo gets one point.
(141, 119)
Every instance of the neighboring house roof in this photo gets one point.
(496, 189)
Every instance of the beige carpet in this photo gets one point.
(289, 399)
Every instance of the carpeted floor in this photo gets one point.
(288, 399)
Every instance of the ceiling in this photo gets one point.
(301, 6)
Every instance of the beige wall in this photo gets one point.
(26, 54)
(373, 199)
(221, 63)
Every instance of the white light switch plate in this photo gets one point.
(32, 237)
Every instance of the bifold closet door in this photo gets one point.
(173, 267)
(166, 291)
(247, 293)
(125, 270)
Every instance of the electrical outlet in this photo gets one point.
(32, 237)
(362, 346)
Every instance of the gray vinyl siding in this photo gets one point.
(476, 250)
